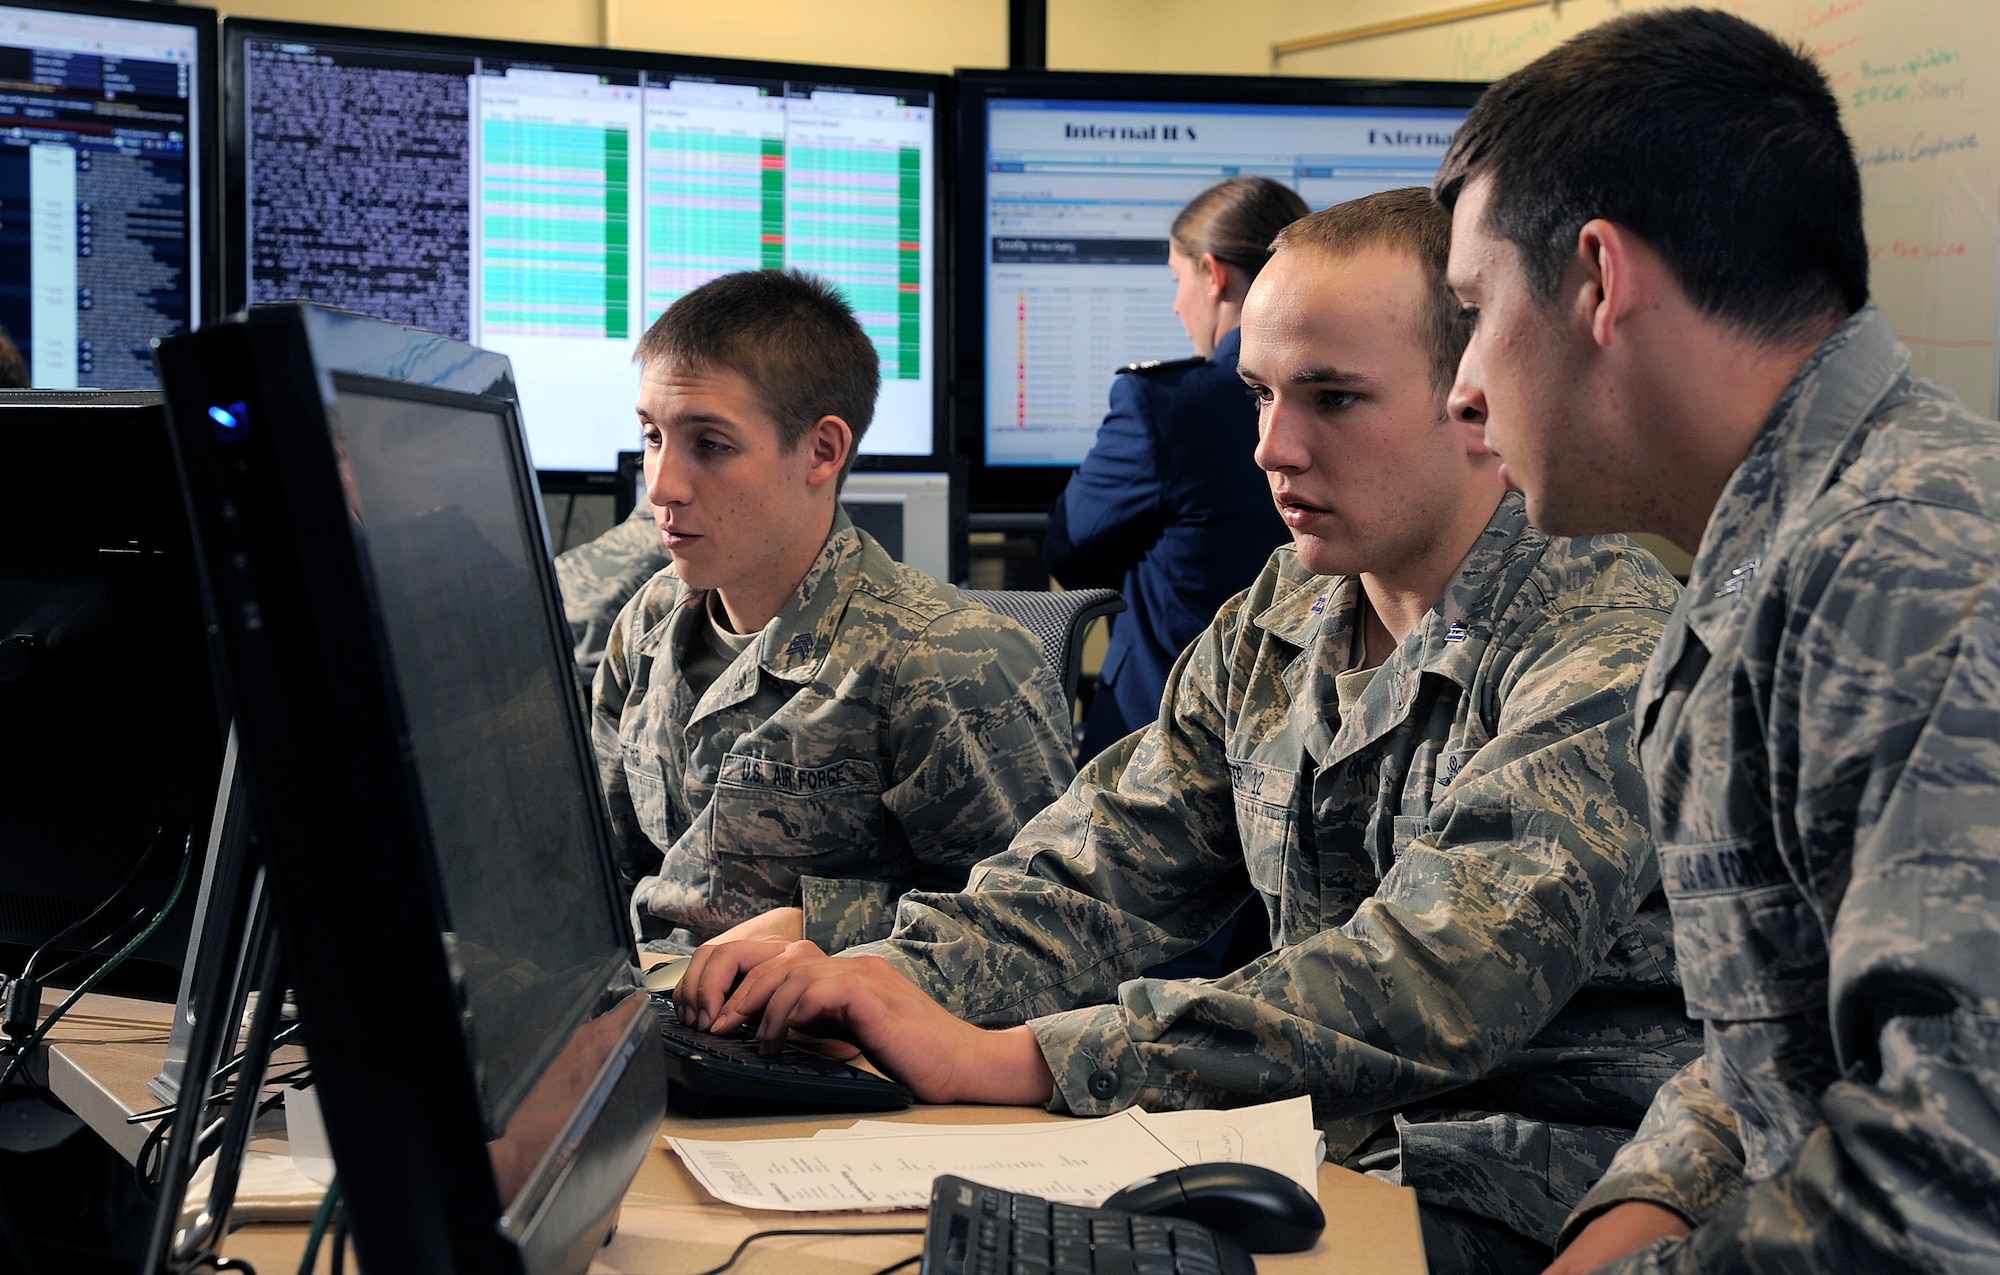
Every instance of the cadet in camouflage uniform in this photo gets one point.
(1470, 973)
(1820, 726)
(597, 580)
(821, 736)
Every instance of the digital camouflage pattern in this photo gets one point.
(597, 580)
(1821, 738)
(882, 734)
(1462, 894)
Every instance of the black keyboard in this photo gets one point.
(709, 1075)
(979, 1230)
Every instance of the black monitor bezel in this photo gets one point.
(235, 31)
(207, 303)
(335, 799)
(1031, 488)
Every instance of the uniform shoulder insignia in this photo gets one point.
(1154, 365)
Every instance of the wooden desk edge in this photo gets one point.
(99, 1067)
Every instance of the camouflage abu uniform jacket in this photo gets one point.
(599, 578)
(1821, 737)
(882, 734)
(1454, 877)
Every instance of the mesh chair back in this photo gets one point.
(1059, 620)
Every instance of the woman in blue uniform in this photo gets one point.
(1169, 506)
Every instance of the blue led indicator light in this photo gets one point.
(231, 422)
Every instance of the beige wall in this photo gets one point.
(1232, 37)
(918, 35)
(560, 21)
(923, 35)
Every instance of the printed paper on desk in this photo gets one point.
(895, 1171)
(1277, 1135)
(877, 1164)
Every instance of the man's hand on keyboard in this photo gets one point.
(799, 989)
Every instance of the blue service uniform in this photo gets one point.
(1170, 508)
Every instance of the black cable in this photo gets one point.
(159, 839)
(569, 511)
(911, 1260)
(339, 1263)
(82, 989)
(754, 1236)
(55, 975)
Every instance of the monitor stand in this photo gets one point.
(220, 907)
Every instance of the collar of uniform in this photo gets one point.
(1314, 614)
(1449, 641)
(798, 638)
(1822, 412)
(1318, 616)
(1227, 349)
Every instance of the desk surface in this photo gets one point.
(101, 1056)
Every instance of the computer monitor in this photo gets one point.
(1067, 184)
(915, 506)
(108, 235)
(549, 202)
(110, 738)
(422, 783)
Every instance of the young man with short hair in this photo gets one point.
(1410, 740)
(788, 723)
(1659, 226)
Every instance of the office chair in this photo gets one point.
(1059, 620)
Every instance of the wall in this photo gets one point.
(560, 21)
(919, 35)
(922, 35)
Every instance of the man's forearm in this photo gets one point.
(1007, 1070)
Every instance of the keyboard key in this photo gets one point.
(1150, 1235)
(1109, 1232)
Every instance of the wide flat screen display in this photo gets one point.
(551, 210)
(101, 172)
(506, 799)
(1079, 195)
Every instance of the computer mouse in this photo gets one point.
(1260, 1208)
(666, 976)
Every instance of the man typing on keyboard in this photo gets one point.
(1410, 740)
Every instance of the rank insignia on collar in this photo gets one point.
(1319, 604)
(1739, 579)
(1456, 633)
(800, 647)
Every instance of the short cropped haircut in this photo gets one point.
(1703, 134)
(1406, 220)
(789, 334)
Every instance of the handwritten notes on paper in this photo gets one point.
(876, 1164)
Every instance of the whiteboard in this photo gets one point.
(1919, 87)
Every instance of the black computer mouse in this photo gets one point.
(1260, 1208)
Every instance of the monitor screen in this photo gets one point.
(94, 549)
(914, 508)
(419, 772)
(102, 194)
(1067, 185)
(508, 808)
(549, 203)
